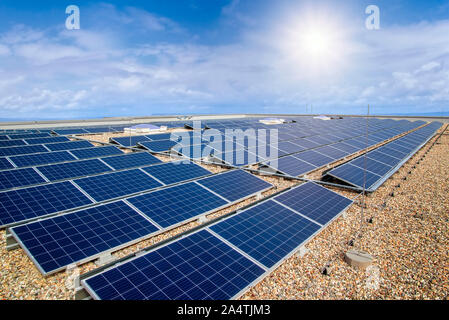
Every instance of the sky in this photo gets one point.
(222, 56)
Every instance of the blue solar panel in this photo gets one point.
(172, 172)
(331, 152)
(21, 150)
(57, 242)
(130, 160)
(130, 141)
(291, 166)
(28, 135)
(197, 267)
(11, 143)
(5, 164)
(372, 165)
(354, 175)
(289, 147)
(69, 145)
(314, 158)
(4, 138)
(267, 232)
(314, 202)
(46, 140)
(117, 184)
(239, 157)
(24, 204)
(234, 185)
(69, 131)
(158, 146)
(19, 177)
(96, 152)
(159, 136)
(345, 147)
(384, 158)
(391, 152)
(73, 169)
(173, 205)
(41, 158)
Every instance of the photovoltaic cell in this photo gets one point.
(131, 160)
(291, 165)
(96, 152)
(57, 242)
(372, 165)
(73, 169)
(172, 172)
(117, 184)
(331, 152)
(197, 267)
(5, 164)
(19, 177)
(21, 150)
(314, 202)
(24, 204)
(176, 204)
(234, 185)
(159, 136)
(41, 158)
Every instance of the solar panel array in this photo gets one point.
(219, 261)
(161, 209)
(383, 161)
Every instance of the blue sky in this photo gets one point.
(221, 56)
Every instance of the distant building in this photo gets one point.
(145, 128)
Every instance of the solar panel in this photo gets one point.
(130, 141)
(21, 150)
(5, 164)
(345, 147)
(354, 175)
(391, 152)
(41, 158)
(331, 152)
(11, 143)
(46, 140)
(28, 203)
(289, 147)
(267, 232)
(28, 135)
(314, 158)
(69, 145)
(234, 185)
(19, 177)
(384, 158)
(56, 242)
(172, 172)
(158, 146)
(372, 165)
(170, 206)
(117, 184)
(96, 152)
(239, 157)
(4, 138)
(63, 132)
(315, 202)
(131, 160)
(73, 169)
(291, 166)
(196, 267)
(159, 136)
